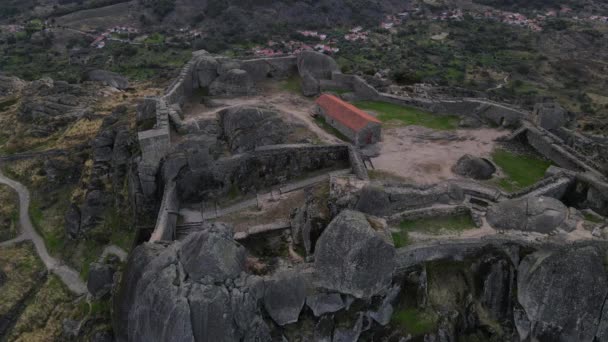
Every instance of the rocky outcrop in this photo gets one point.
(169, 293)
(10, 85)
(562, 294)
(100, 280)
(235, 82)
(246, 128)
(109, 78)
(48, 105)
(352, 257)
(285, 295)
(310, 85)
(317, 65)
(206, 71)
(474, 167)
(535, 214)
(550, 115)
(373, 200)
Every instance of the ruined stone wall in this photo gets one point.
(553, 150)
(356, 163)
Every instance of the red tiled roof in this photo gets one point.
(344, 112)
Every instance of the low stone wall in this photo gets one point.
(551, 149)
(361, 89)
(433, 211)
(482, 109)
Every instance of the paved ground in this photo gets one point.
(69, 276)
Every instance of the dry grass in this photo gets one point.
(22, 268)
(42, 318)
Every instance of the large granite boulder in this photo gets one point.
(285, 295)
(318, 65)
(109, 78)
(535, 214)
(223, 257)
(206, 71)
(562, 294)
(235, 82)
(196, 289)
(550, 115)
(246, 128)
(373, 200)
(474, 167)
(310, 85)
(354, 258)
(100, 280)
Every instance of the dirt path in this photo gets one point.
(69, 276)
(426, 156)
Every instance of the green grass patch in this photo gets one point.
(520, 170)
(338, 91)
(415, 321)
(320, 121)
(592, 218)
(405, 115)
(292, 85)
(433, 226)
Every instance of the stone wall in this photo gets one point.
(166, 221)
(482, 109)
(263, 168)
(430, 212)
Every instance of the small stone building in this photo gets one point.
(360, 127)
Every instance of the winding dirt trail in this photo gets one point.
(69, 276)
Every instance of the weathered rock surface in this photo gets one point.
(474, 167)
(101, 277)
(322, 303)
(353, 258)
(10, 85)
(310, 85)
(235, 82)
(206, 71)
(49, 105)
(109, 78)
(373, 200)
(285, 295)
(317, 65)
(562, 294)
(550, 115)
(246, 127)
(192, 290)
(536, 214)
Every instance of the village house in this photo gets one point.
(360, 127)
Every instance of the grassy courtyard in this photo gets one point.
(432, 226)
(415, 321)
(404, 115)
(520, 170)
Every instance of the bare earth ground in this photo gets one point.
(296, 109)
(426, 156)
